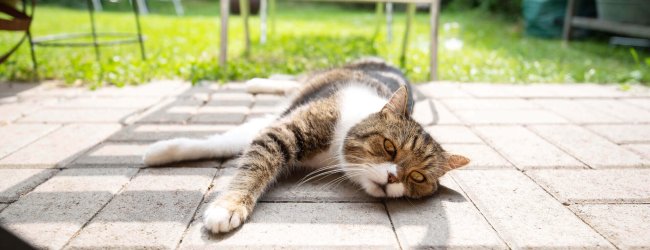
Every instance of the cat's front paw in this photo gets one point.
(219, 219)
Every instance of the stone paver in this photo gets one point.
(13, 111)
(113, 154)
(627, 133)
(576, 111)
(220, 114)
(107, 102)
(625, 225)
(17, 182)
(16, 136)
(442, 90)
(424, 112)
(157, 132)
(453, 134)
(59, 147)
(153, 211)
(481, 156)
(621, 110)
(642, 103)
(642, 149)
(443, 116)
(220, 99)
(525, 149)
(487, 104)
(64, 115)
(3, 206)
(451, 221)
(509, 116)
(595, 186)
(159, 88)
(177, 110)
(523, 214)
(303, 225)
(592, 149)
(57, 209)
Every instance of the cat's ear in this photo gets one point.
(455, 161)
(398, 102)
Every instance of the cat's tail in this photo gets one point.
(224, 145)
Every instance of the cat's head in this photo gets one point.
(390, 155)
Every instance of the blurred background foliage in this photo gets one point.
(480, 41)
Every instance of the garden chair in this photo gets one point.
(20, 22)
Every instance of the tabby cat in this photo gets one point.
(355, 120)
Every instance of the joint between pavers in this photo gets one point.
(557, 146)
(99, 210)
(197, 209)
(392, 226)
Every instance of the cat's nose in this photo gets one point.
(392, 178)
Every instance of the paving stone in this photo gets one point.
(64, 115)
(303, 225)
(157, 132)
(624, 111)
(230, 163)
(482, 104)
(481, 156)
(591, 149)
(576, 111)
(107, 102)
(321, 189)
(523, 214)
(3, 206)
(442, 90)
(444, 115)
(153, 211)
(13, 111)
(59, 147)
(269, 100)
(177, 110)
(113, 154)
(642, 103)
(17, 182)
(57, 209)
(624, 133)
(499, 116)
(451, 221)
(595, 186)
(265, 109)
(222, 114)
(16, 136)
(525, 149)
(642, 149)
(158, 88)
(453, 134)
(233, 87)
(625, 225)
(424, 112)
(52, 89)
(231, 99)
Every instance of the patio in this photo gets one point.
(553, 166)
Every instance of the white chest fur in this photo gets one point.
(355, 104)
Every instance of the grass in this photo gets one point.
(308, 37)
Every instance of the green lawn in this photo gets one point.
(309, 36)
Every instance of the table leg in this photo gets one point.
(223, 48)
(433, 60)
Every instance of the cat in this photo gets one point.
(354, 120)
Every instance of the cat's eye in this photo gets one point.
(389, 147)
(416, 176)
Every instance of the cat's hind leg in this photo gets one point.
(223, 145)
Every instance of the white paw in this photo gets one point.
(374, 190)
(218, 219)
(160, 153)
